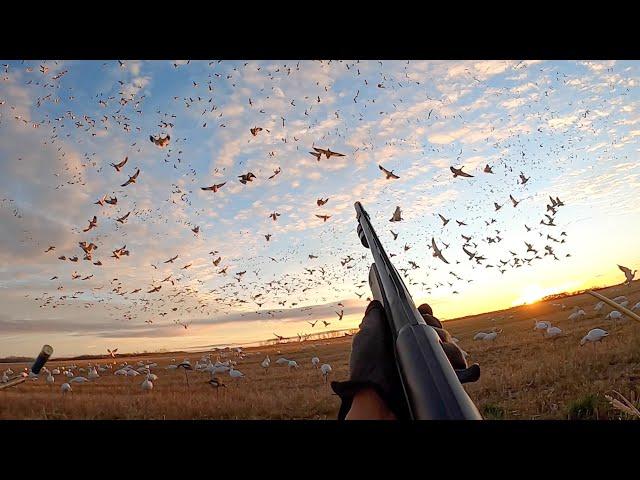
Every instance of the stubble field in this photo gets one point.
(524, 375)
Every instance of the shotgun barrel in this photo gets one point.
(432, 388)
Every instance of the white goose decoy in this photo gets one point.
(553, 332)
(235, 373)
(132, 373)
(635, 307)
(121, 372)
(594, 335)
(69, 374)
(615, 315)
(282, 361)
(315, 361)
(325, 369)
(185, 365)
(479, 336)
(9, 371)
(599, 306)
(93, 374)
(4, 378)
(152, 376)
(171, 367)
(147, 385)
(292, 364)
(216, 383)
(50, 379)
(55, 371)
(542, 326)
(209, 368)
(578, 314)
(620, 298)
(79, 380)
(265, 363)
(490, 336)
(65, 387)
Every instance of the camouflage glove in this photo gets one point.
(453, 352)
(372, 362)
(372, 365)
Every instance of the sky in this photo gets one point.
(569, 128)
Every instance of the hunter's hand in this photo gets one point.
(453, 352)
(372, 364)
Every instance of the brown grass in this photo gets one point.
(523, 375)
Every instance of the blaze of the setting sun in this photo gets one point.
(531, 294)
(534, 293)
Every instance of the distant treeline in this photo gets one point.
(85, 357)
(316, 336)
(17, 360)
(558, 296)
(106, 357)
(309, 337)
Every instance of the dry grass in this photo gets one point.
(524, 376)
(279, 393)
(531, 377)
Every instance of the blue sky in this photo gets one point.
(571, 127)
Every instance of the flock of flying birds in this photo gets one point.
(178, 296)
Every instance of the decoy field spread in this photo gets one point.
(188, 227)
